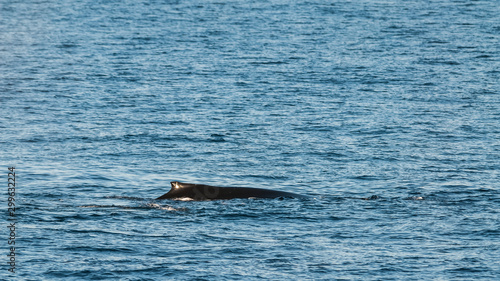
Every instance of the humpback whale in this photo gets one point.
(200, 192)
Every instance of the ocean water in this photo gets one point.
(103, 103)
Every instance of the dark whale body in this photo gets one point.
(201, 192)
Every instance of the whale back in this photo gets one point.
(200, 192)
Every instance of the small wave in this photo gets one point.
(124, 197)
(160, 207)
(414, 198)
(183, 199)
(146, 206)
(109, 206)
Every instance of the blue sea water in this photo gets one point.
(103, 103)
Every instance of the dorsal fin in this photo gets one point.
(176, 185)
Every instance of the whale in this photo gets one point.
(202, 192)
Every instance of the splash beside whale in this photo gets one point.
(201, 192)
